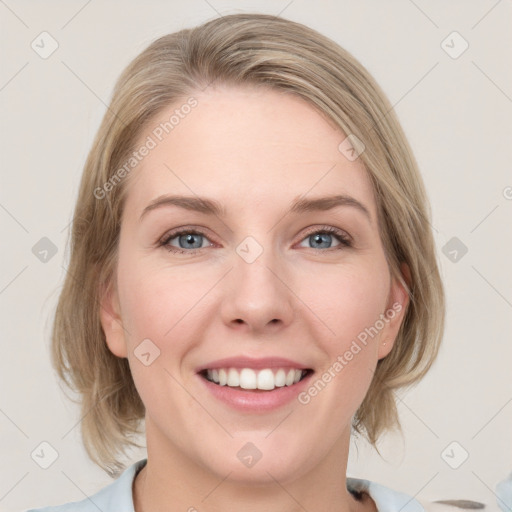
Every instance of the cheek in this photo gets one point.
(155, 300)
(346, 300)
(346, 303)
(163, 305)
(156, 306)
(349, 301)
(338, 301)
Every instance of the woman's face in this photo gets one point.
(260, 282)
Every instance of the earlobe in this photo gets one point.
(395, 312)
(111, 320)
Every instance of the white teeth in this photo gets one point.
(266, 380)
(280, 378)
(233, 378)
(290, 376)
(247, 378)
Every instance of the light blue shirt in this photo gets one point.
(504, 494)
(117, 496)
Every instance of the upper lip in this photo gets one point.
(248, 362)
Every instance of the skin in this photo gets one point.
(255, 151)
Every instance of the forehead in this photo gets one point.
(246, 147)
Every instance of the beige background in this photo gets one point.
(457, 114)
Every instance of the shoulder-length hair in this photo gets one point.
(240, 50)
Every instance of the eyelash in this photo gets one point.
(344, 240)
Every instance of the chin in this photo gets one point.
(248, 464)
(262, 473)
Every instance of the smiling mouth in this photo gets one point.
(266, 379)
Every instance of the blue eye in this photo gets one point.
(186, 239)
(320, 235)
(190, 240)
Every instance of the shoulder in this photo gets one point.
(504, 494)
(115, 497)
(388, 500)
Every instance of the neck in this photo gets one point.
(172, 481)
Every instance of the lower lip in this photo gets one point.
(255, 400)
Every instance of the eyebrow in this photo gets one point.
(212, 207)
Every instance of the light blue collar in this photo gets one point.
(118, 495)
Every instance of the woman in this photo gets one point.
(252, 273)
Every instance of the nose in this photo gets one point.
(257, 294)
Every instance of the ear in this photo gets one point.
(111, 321)
(395, 311)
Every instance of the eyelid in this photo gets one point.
(344, 238)
(340, 233)
(173, 233)
(183, 230)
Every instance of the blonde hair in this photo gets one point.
(240, 50)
